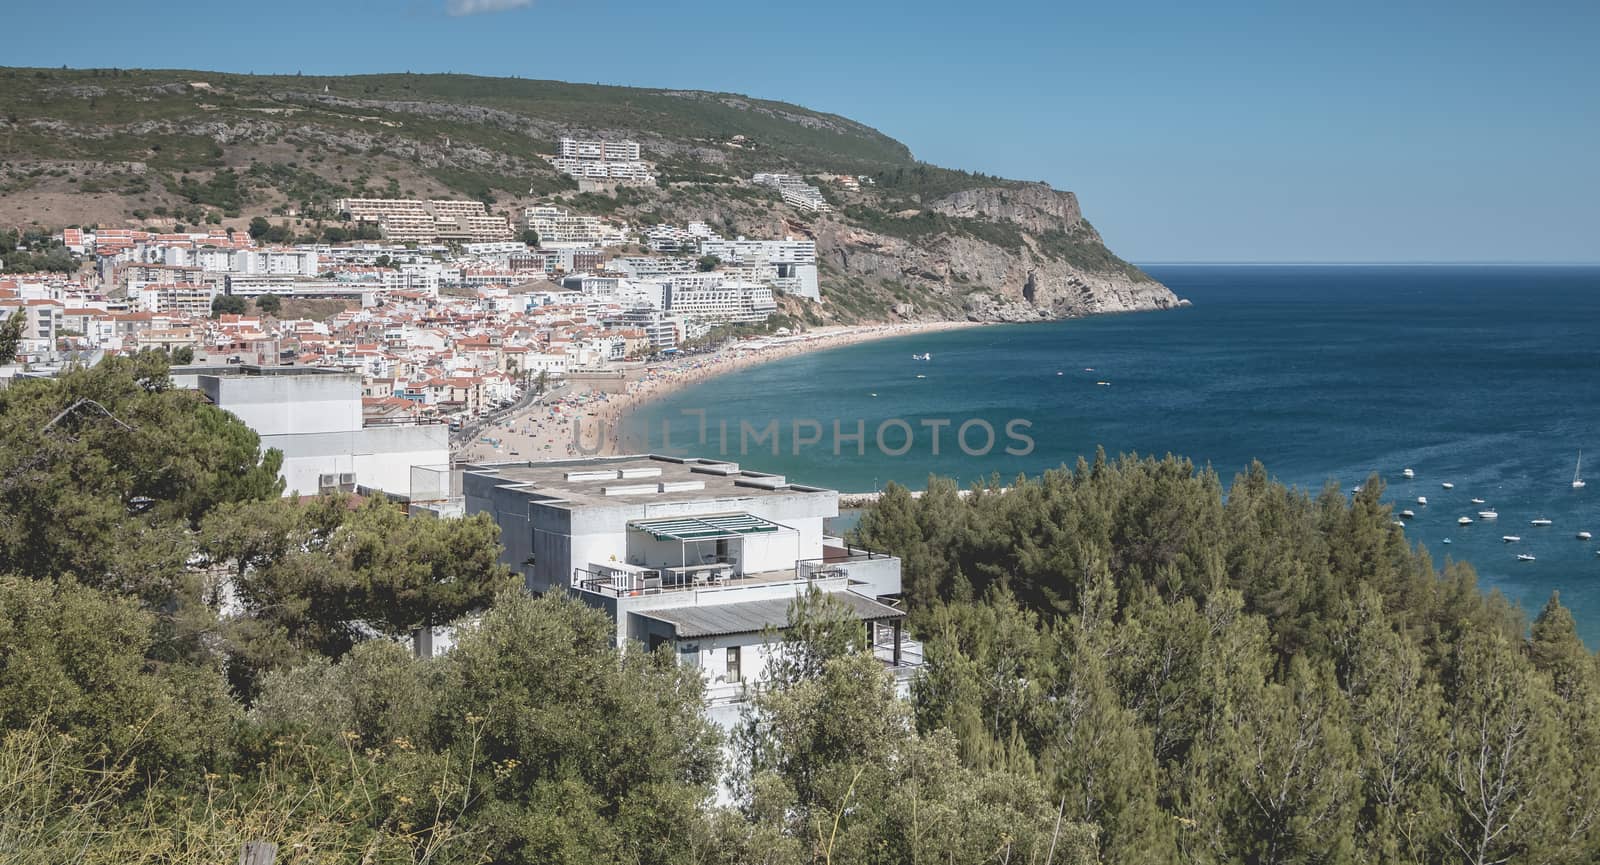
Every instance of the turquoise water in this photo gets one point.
(1486, 377)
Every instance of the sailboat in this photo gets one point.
(1577, 473)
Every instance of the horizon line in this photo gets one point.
(1395, 263)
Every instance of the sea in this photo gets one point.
(1484, 377)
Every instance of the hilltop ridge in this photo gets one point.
(913, 242)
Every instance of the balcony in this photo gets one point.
(628, 581)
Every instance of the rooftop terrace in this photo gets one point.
(626, 480)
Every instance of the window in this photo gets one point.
(733, 664)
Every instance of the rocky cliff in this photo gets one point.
(1026, 275)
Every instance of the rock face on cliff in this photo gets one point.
(1051, 264)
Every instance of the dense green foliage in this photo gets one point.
(1122, 665)
(1260, 677)
(779, 134)
(33, 252)
(11, 331)
(228, 304)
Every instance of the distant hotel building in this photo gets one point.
(409, 221)
(558, 228)
(601, 160)
(794, 262)
(715, 298)
(611, 151)
(795, 191)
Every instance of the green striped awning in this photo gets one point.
(704, 528)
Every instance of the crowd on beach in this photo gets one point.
(585, 420)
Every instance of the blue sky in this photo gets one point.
(1222, 131)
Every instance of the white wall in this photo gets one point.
(769, 551)
(289, 404)
(380, 457)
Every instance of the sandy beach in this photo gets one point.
(547, 430)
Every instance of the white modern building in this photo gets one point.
(795, 261)
(193, 300)
(714, 298)
(646, 267)
(608, 150)
(557, 228)
(695, 554)
(407, 220)
(795, 191)
(601, 160)
(314, 417)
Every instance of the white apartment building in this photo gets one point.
(669, 238)
(594, 170)
(644, 267)
(794, 261)
(663, 331)
(498, 250)
(619, 290)
(694, 554)
(284, 285)
(402, 220)
(206, 258)
(298, 262)
(712, 298)
(618, 151)
(192, 300)
(407, 220)
(743, 251)
(559, 229)
(794, 190)
(314, 417)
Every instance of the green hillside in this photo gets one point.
(166, 148)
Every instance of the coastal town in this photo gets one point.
(448, 316)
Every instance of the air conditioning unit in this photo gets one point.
(336, 482)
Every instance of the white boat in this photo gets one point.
(1445, 541)
(1422, 500)
(1488, 515)
(1511, 539)
(923, 356)
(1408, 473)
(1464, 521)
(1356, 489)
(1525, 557)
(1541, 521)
(1408, 514)
(1477, 501)
(1398, 523)
(1577, 473)
(920, 375)
(1447, 485)
(1584, 536)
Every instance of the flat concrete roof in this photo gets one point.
(602, 481)
(753, 617)
(236, 370)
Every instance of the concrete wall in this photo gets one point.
(880, 575)
(289, 404)
(379, 457)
